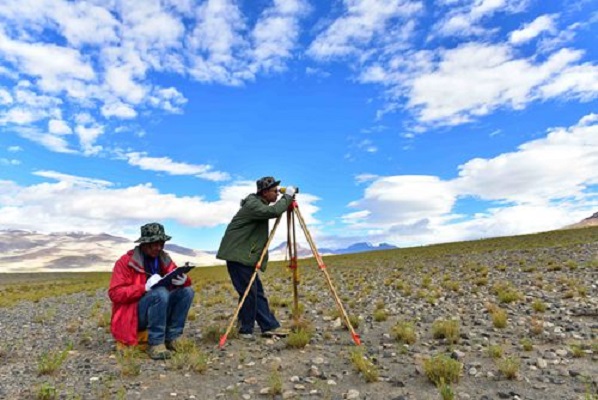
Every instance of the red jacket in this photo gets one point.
(127, 286)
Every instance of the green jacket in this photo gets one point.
(247, 233)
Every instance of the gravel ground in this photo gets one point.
(563, 363)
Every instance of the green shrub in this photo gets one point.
(49, 362)
(129, 360)
(527, 344)
(446, 329)
(499, 318)
(441, 368)
(380, 315)
(538, 306)
(188, 357)
(509, 367)
(299, 338)
(363, 364)
(404, 332)
(495, 351)
(46, 391)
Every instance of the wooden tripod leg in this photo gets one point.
(295, 268)
(322, 266)
(257, 268)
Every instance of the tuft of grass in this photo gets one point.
(577, 350)
(499, 318)
(362, 364)
(445, 390)
(509, 295)
(46, 391)
(527, 344)
(441, 368)
(49, 362)
(188, 357)
(495, 351)
(536, 326)
(509, 367)
(380, 315)
(539, 306)
(275, 382)
(446, 329)
(404, 332)
(299, 338)
(129, 360)
(212, 333)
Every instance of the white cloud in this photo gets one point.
(465, 19)
(75, 203)
(544, 23)
(165, 164)
(14, 149)
(561, 165)
(119, 110)
(6, 161)
(276, 33)
(543, 184)
(59, 127)
(475, 79)
(359, 25)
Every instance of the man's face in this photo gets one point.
(271, 194)
(152, 249)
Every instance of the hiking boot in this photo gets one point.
(173, 345)
(279, 332)
(159, 352)
(247, 336)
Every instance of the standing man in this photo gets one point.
(242, 246)
(139, 302)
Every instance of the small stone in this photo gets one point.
(472, 371)
(541, 363)
(94, 379)
(295, 379)
(246, 397)
(288, 394)
(351, 394)
(331, 382)
(265, 391)
(172, 394)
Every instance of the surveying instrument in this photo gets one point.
(292, 212)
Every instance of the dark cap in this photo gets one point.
(152, 232)
(265, 183)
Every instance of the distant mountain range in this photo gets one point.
(279, 252)
(25, 251)
(590, 221)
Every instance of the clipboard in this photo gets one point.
(167, 279)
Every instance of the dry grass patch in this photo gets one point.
(404, 332)
(441, 368)
(188, 357)
(446, 329)
(509, 367)
(362, 364)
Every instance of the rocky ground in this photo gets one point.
(380, 291)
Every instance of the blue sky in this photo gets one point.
(402, 121)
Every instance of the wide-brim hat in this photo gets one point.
(152, 232)
(265, 183)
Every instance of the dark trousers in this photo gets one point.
(255, 309)
(163, 313)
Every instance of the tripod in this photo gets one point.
(292, 212)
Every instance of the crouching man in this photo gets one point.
(140, 302)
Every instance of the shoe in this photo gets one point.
(247, 336)
(280, 332)
(173, 345)
(159, 352)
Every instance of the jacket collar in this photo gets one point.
(136, 261)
